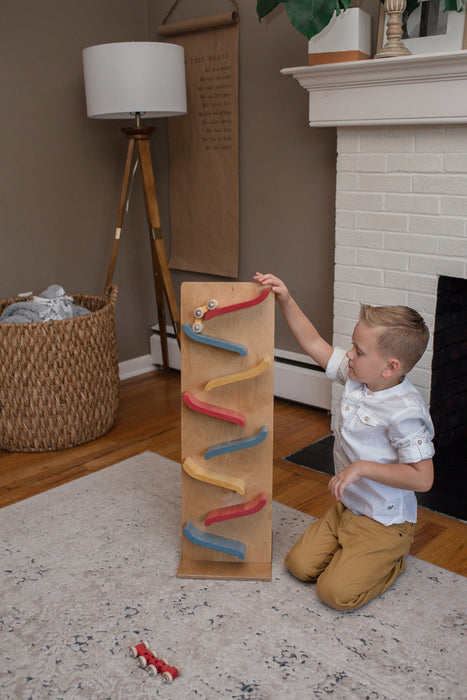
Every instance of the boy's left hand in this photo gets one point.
(417, 476)
(347, 476)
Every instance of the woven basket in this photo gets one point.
(59, 381)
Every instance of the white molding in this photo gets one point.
(294, 357)
(172, 347)
(135, 367)
(302, 384)
(292, 382)
(416, 89)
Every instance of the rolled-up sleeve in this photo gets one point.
(337, 367)
(412, 438)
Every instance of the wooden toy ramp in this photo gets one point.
(226, 526)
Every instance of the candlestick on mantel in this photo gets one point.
(394, 45)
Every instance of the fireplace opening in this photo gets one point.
(448, 404)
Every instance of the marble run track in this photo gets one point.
(221, 544)
(238, 376)
(238, 511)
(240, 444)
(241, 550)
(209, 409)
(213, 341)
(212, 307)
(211, 477)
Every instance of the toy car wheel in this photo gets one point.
(142, 662)
(164, 661)
(133, 652)
(199, 313)
(145, 644)
(197, 327)
(154, 653)
(178, 669)
(167, 677)
(212, 304)
(152, 670)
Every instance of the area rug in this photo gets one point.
(89, 568)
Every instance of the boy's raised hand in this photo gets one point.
(277, 286)
(302, 329)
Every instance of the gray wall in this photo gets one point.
(61, 172)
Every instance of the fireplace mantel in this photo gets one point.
(417, 89)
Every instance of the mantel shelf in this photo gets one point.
(416, 89)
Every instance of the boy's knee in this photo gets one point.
(297, 567)
(336, 594)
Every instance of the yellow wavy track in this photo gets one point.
(224, 480)
(238, 376)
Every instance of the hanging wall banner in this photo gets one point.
(203, 149)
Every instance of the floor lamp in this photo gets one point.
(139, 80)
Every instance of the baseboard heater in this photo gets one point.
(296, 377)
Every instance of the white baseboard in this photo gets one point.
(172, 347)
(296, 377)
(136, 366)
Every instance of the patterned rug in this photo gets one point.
(89, 569)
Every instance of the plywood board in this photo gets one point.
(253, 328)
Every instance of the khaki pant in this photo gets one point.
(353, 558)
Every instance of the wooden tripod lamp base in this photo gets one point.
(138, 140)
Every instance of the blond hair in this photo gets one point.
(404, 335)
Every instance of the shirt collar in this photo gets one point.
(400, 388)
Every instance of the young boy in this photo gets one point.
(383, 453)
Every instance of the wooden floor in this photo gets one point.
(149, 419)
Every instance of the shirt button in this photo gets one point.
(367, 418)
(419, 442)
(347, 408)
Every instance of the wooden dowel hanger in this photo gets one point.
(200, 23)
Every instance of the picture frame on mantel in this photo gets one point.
(450, 28)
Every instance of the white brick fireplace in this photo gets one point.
(401, 189)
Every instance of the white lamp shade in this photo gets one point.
(140, 76)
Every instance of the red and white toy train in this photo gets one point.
(154, 665)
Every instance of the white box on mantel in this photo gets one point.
(346, 38)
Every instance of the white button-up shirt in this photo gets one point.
(388, 426)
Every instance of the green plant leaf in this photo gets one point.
(310, 18)
(264, 7)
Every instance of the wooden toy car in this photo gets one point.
(154, 665)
